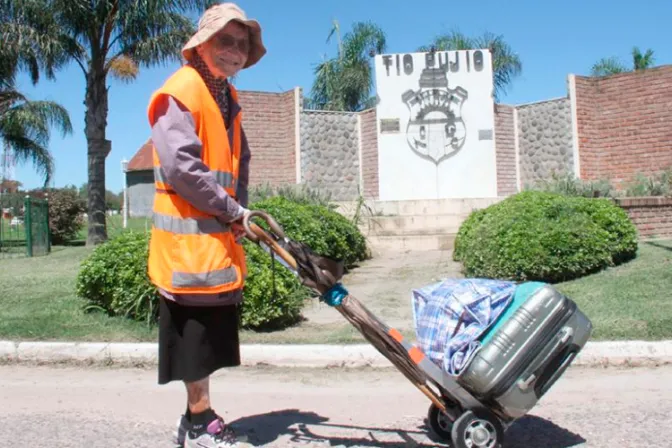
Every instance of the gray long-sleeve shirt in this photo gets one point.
(179, 150)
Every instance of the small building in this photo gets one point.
(140, 182)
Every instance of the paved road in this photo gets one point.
(67, 407)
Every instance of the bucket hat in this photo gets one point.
(217, 17)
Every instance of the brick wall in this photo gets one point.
(651, 216)
(505, 149)
(624, 127)
(625, 124)
(269, 123)
(369, 139)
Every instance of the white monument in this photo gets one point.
(436, 125)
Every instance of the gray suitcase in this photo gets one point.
(527, 349)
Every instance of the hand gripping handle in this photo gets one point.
(257, 234)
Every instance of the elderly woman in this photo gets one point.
(201, 168)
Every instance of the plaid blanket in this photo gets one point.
(451, 315)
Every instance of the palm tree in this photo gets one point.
(103, 37)
(612, 65)
(25, 127)
(506, 64)
(345, 81)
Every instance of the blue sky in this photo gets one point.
(553, 38)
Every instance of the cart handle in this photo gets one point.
(257, 234)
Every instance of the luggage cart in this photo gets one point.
(455, 414)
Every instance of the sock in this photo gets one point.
(200, 421)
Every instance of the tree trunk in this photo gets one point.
(98, 149)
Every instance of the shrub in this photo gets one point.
(65, 215)
(325, 231)
(65, 212)
(300, 194)
(114, 279)
(659, 184)
(544, 236)
(569, 185)
(274, 297)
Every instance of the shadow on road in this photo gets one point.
(532, 431)
(528, 432)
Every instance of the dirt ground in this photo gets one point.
(384, 285)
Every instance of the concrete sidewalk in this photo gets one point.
(628, 353)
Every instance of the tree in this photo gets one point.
(506, 64)
(345, 81)
(612, 65)
(103, 37)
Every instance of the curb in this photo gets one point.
(594, 354)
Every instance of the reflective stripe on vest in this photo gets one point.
(189, 226)
(213, 278)
(225, 179)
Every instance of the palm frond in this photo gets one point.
(34, 119)
(123, 68)
(608, 66)
(25, 149)
(506, 64)
(642, 61)
(345, 81)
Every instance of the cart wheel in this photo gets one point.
(477, 429)
(439, 422)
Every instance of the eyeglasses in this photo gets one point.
(227, 41)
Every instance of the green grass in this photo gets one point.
(37, 302)
(632, 301)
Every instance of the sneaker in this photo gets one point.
(181, 431)
(217, 435)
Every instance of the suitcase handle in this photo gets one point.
(558, 372)
(565, 339)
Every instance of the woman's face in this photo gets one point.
(226, 52)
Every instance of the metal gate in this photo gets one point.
(24, 227)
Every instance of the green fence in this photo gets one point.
(24, 226)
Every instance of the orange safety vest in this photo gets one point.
(190, 251)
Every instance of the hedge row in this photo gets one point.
(114, 277)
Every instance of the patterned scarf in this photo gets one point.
(219, 88)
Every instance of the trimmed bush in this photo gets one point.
(114, 277)
(274, 297)
(546, 237)
(327, 232)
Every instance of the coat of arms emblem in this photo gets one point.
(435, 128)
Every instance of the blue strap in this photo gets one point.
(335, 295)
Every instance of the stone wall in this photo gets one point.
(330, 153)
(544, 140)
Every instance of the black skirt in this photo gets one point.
(195, 341)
